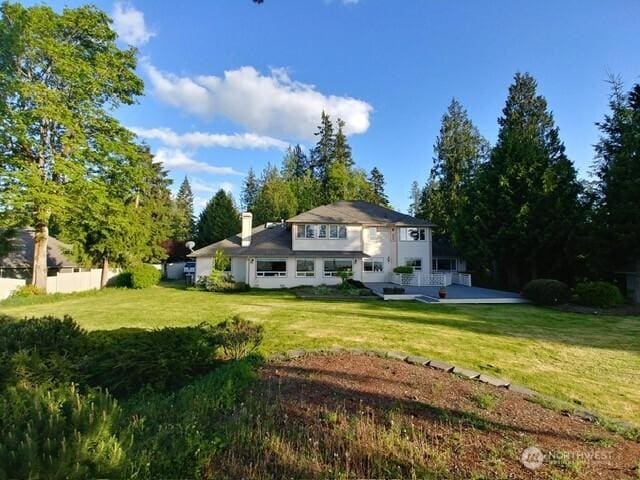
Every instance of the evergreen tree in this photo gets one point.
(376, 179)
(276, 200)
(250, 190)
(220, 219)
(414, 197)
(618, 190)
(60, 74)
(295, 164)
(322, 155)
(524, 206)
(459, 150)
(184, 220)
(341, 148)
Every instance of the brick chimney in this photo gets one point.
(247, 222)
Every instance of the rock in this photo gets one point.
(415, 360)
(397, 355)
(297, 353)
(522, 390)
(496, 382)
(276, 357)
(465, 372)
(586, 415)
(444, 366)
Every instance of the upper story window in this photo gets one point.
(373, 233)
(413, 234)
(323, 230)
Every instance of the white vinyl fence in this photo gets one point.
(174, 271)
(77, 281)
(440, 279)
(8, 285)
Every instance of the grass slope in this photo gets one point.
(590, 360)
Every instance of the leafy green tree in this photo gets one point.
(618, 190)
(220, 219)
(276, 199)
(59, 73)
(459, 150)
(524, 206)
(376, 179)
(250, 190)
(183, 223)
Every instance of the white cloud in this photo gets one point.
(202, 139)
(200, 186)
(178, 159)
(271, 104)
(129, 24)
(200, 202)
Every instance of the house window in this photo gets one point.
(413, 234)
(300, 231)
(416, 263)
(342, 231)
(322, 231)
(333, 231)
(310, 231)
(373, 264)
(444, 264)
(270, 267)
(373, 233)
(333, 265)
(305, 267)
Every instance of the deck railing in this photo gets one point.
(437, 279)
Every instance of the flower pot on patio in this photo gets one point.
(442, 293)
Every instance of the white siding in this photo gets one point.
(381, 247)
(203, 266)
(416, 249)
(239, 269)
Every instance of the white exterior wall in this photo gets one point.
(415, 249)
(239, 269)
(381, 247)
(353, 242)
(203, 267)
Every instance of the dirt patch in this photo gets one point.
(621, 310)
(355, 416)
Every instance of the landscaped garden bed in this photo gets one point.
(335, 292)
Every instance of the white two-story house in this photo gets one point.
(310, 248)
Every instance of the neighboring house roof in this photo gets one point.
(357, 212)
(274, 241)
(22, 247)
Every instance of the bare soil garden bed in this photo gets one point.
(357, 416)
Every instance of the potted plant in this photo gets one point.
(442, 293)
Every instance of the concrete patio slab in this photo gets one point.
(455, 294)
(415, 360)
(444, 366)
(465, 372)
(496, 382)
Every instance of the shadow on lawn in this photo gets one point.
(527, 322)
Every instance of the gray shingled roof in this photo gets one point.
(357, 212)
(267, 242)
(21, 253)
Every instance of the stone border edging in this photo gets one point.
(583, 414)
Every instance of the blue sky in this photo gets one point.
(229, 83)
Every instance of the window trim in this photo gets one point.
(332, 231)
(334, 273)
(404, 232)
(372, 261)
(278, 274)
(415, 269)
(305, 274)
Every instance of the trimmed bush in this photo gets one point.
(144, 276)
(126, 360)
(598, 294)
(546, 291)
(238, 337)
(404, 269)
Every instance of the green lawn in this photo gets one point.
(592, 360)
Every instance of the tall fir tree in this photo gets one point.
(184, 219)
(377, 182)
(414, 198)
(220, 219)
(341, 147)
(61, 74)
(322, 155)
(618, 190)
(524, 205)
(295, 164)
(459, 150)
(250, 190)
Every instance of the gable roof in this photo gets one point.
(357, 212)
(22, 247)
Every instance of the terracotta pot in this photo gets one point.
(442, 294)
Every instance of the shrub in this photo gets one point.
(39, 349)
(27, 291)
(345, 275)
(598, 294)
(403, 269)
(545, 291)
(144, 276)
(122, 280)
(238, 337)
(356, 283)
(58, 433)
(126, 360)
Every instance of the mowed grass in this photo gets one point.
(589, 360)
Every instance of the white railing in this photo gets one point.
(438, 279)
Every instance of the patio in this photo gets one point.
(455, 294)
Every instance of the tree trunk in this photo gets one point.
(637, 289)
(104, 278)
(40, 241)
